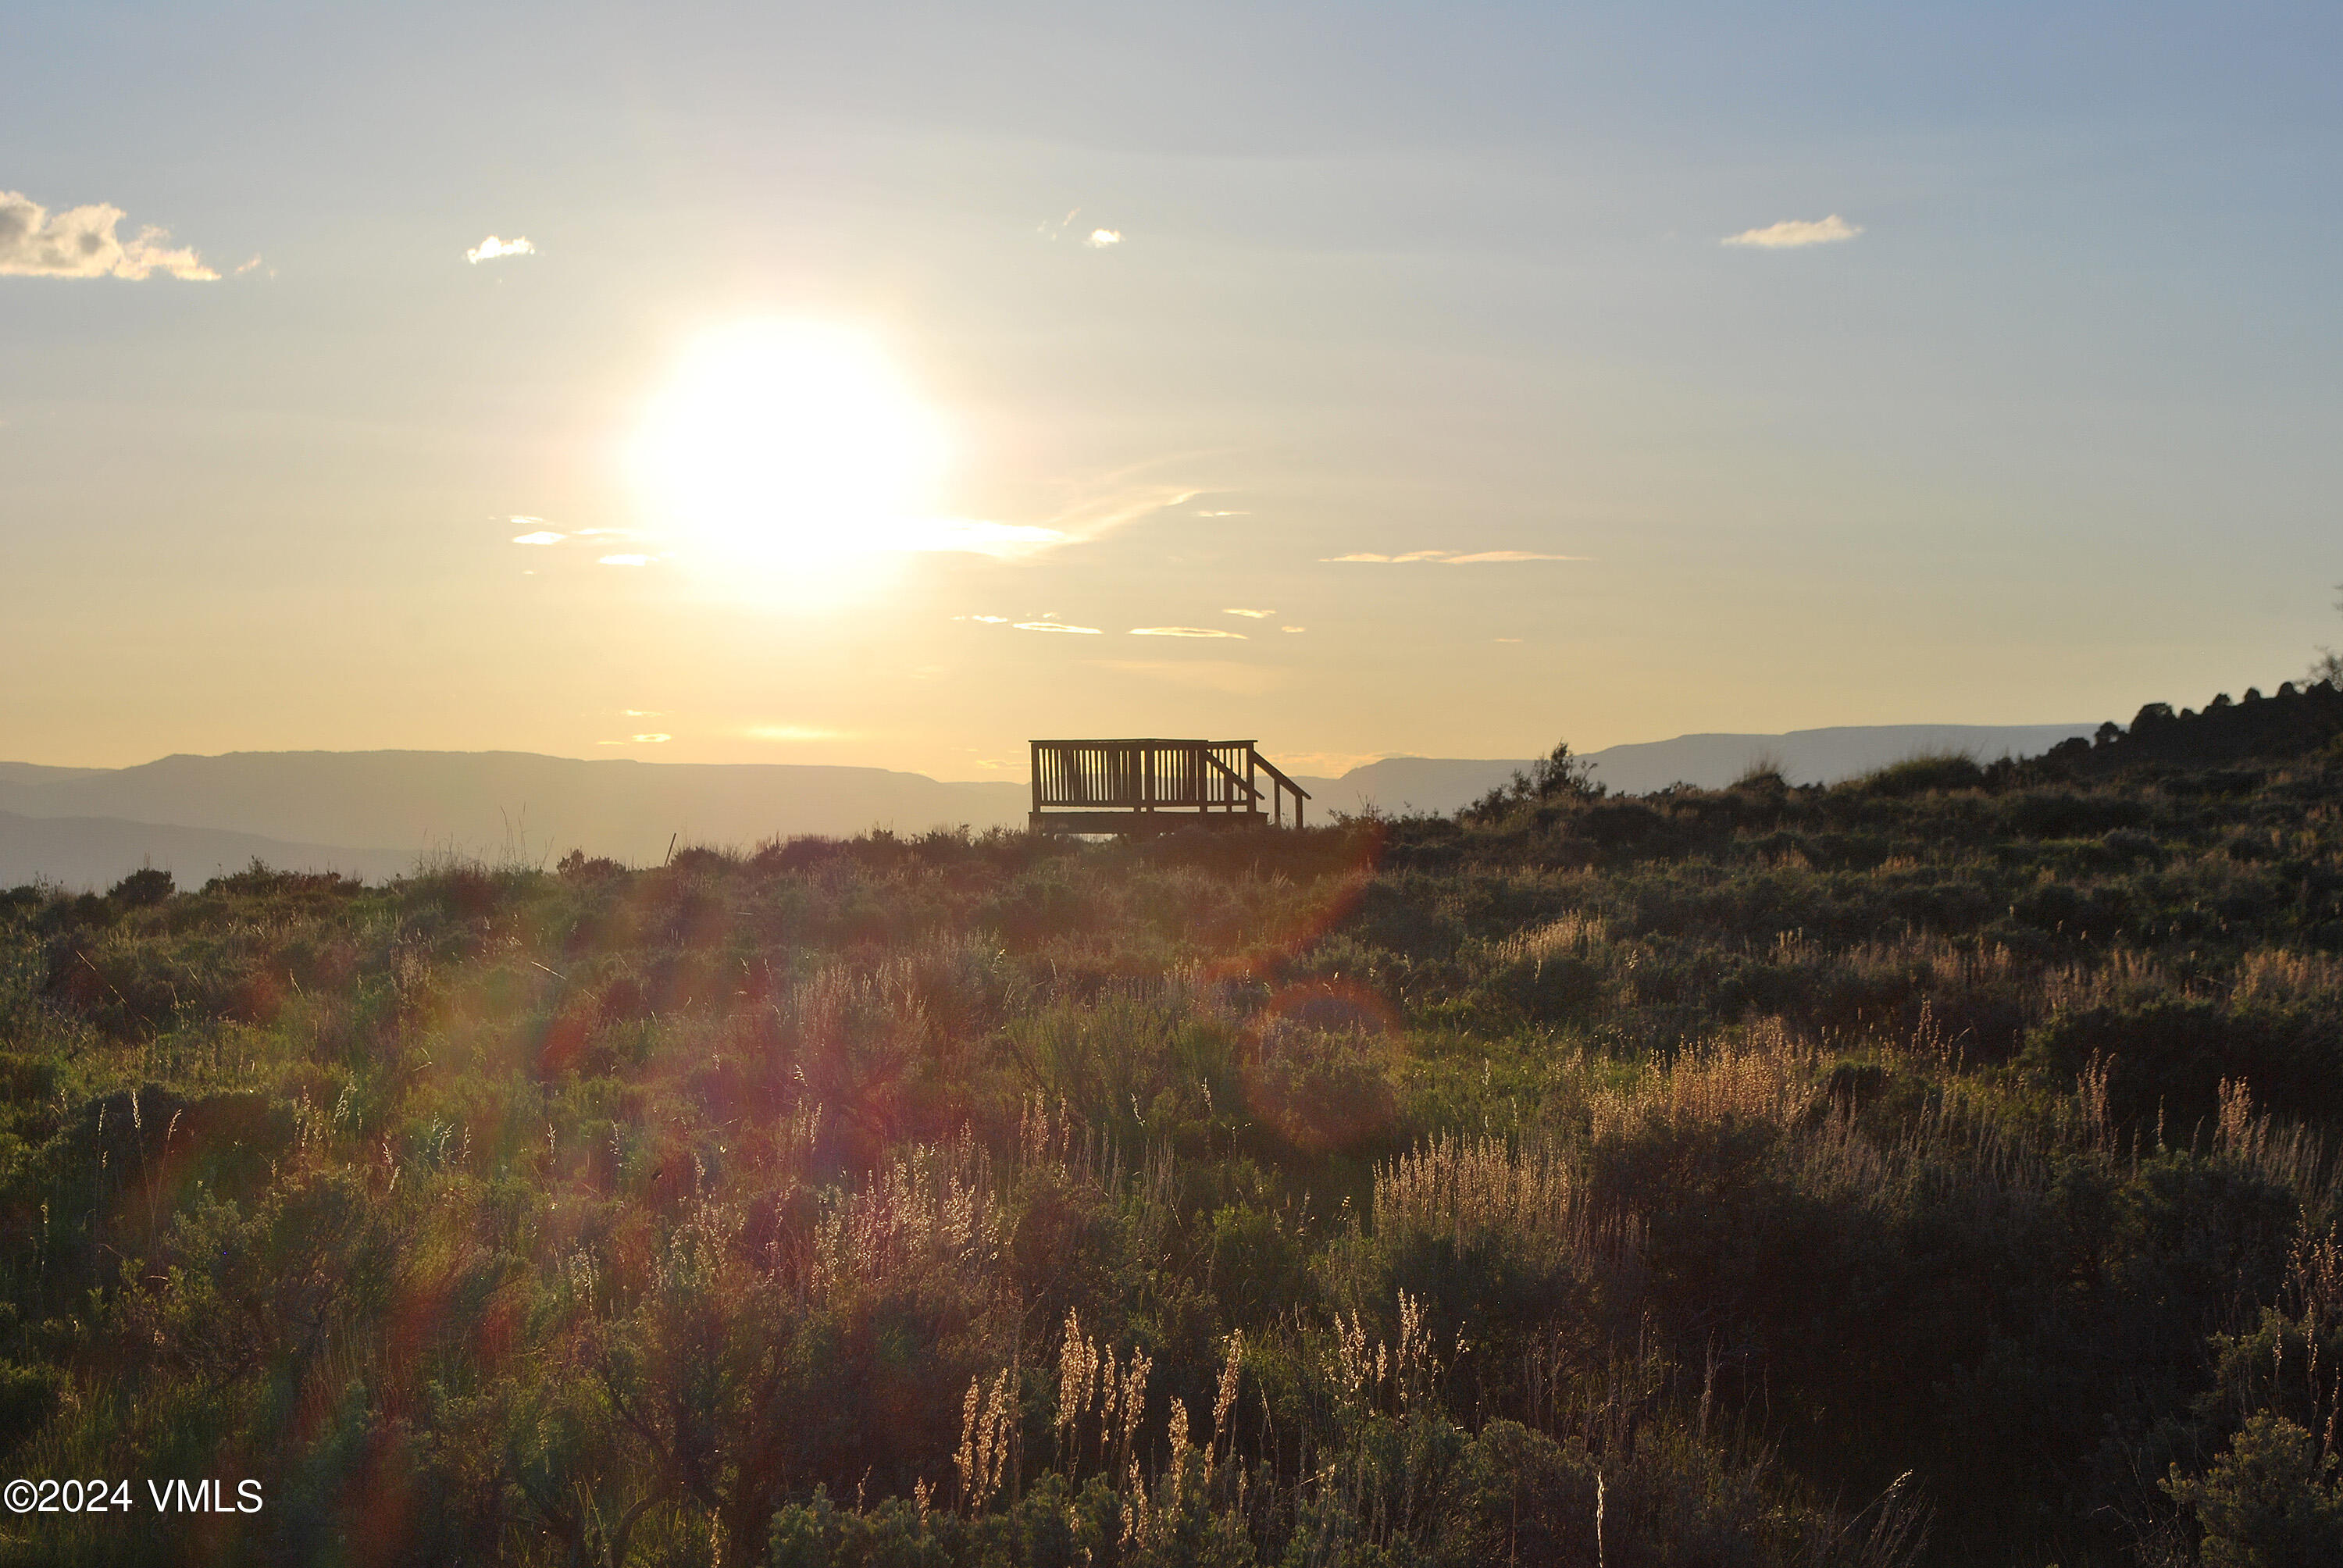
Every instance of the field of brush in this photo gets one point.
(1930, 1168)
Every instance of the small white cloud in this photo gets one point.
(541, 537)
(653, 739)
(1058, 625)
(1223, 514)
(1104, 238)
(491, 248)
(1791, 233)
(1251, 614)
(625, 561)
(1294, 629)
(1493, 557)
(644, 712)
(1184, 631)
(80, 242)
(248, 266)
(991, 620)
(1505, 639)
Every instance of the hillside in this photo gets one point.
(1936, 1167)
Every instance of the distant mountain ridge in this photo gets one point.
(377, 813)
(96, 852)
(1804, 755)
(510, 804)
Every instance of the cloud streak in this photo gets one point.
(1059, 626)
(81, 242)
(1184, 631)
(1448, 558)
(1791, 234)
(966, 535)
(1251, 614)
(795, 732)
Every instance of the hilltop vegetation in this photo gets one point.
(1929, 1168)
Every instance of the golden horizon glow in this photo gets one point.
(787, 455)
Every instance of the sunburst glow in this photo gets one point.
(787, 449)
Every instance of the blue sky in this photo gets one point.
(2051, 431)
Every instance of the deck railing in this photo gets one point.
(1120, 786)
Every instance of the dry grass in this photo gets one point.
(933, 1212)
(1477, 1193)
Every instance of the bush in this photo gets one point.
(2271, 1501)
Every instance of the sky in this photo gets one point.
(889, 385)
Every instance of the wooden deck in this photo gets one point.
(1151, 785)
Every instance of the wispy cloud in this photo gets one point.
(1251, 614)
(644, 712)
(625, 561)
(1451, 557)
(539, 536)
(1328, 764)
(1791, 233)
(795, 733)
(1117, 503)
(1058, 625)
(1184, 631)
(492, 248)
(652, 739)
(1294, 629)
(81, 242)
(972, 537)
(1104, 238)
(986, 620)
(1224, 514)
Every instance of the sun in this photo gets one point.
(786, 450)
